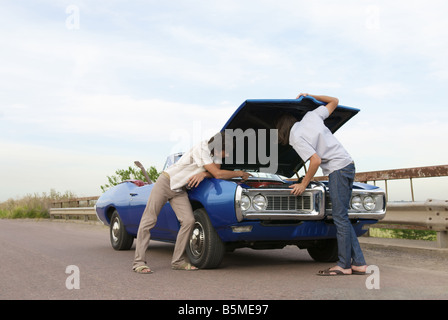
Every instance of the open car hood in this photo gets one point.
(262, 114)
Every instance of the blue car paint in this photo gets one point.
(292, 102)
(305, 230)
(217, 198)
(130, 200)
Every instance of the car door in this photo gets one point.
(167, 225)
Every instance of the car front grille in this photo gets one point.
(288, 203)
(281, 204)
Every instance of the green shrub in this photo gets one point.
(403, 234)
(129, 174)
(32, 206)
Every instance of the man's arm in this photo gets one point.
(217, 173)
(214, 171)
(299, 188)
(331, 102)
(195, 180)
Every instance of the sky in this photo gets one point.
(88, 87)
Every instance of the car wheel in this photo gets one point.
(205, 249)
(324, 251)
(119, 237)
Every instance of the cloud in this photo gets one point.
(117, 116)
(395, 140)
(27, 168)
(129, 129)
(153, 77)
(389, 30)
(383, 90)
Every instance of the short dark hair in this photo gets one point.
(218, 143)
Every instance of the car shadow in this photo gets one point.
(247, 257)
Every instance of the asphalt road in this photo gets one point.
(35, 256)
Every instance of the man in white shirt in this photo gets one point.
(202, 161)
(313, 141)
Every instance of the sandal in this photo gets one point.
(362, 273)
(328, 272)
(359, 272)
(143, 270)
(185, 266)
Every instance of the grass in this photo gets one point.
(32, 206)
(428, 235)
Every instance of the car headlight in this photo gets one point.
(245, 202)
(356, 203)
(259, 202)
(368, 203)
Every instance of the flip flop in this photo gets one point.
(361, 273)
(141, 270)
(185, 266)
(328, 272)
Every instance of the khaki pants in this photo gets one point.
(160, 194)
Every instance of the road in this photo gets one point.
(35, 256)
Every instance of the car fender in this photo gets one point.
(218, 199)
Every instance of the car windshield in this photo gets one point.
(172, 159)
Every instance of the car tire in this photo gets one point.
(205, 248)
(324, 251)
(119, 237)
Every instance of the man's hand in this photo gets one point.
(331, 102)
(195, 180)
(245, 176)
(298, 188)
(301, 95)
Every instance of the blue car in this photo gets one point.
(260, 213)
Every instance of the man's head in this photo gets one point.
(217, 145)
(284, 124)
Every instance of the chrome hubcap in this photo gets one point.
(197, 240)
(115, 230)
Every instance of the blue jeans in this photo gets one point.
(340, 185)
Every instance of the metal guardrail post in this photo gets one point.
(438, 220)
(430, 215)
(442, 239)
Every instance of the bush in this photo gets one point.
(130, 174)
(428, 235)
(32, 206)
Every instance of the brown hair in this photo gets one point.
(284, 124)
(217, 143)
